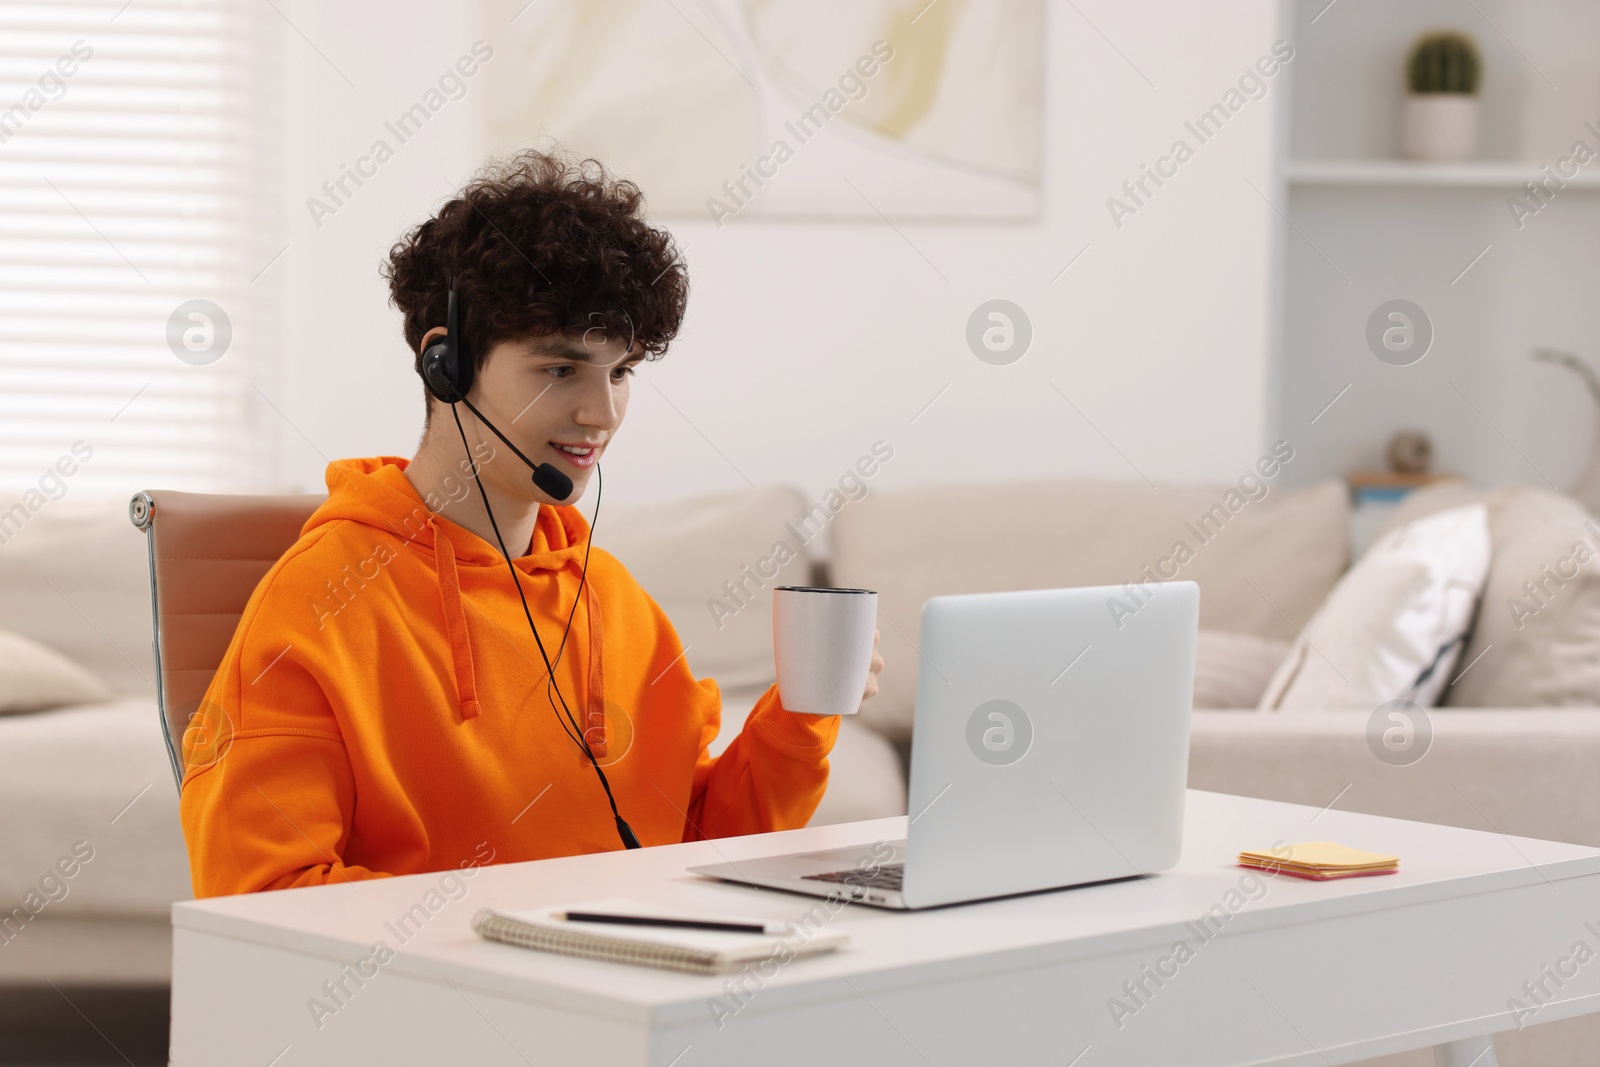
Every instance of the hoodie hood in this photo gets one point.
(375, 492)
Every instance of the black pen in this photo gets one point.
(656, 920)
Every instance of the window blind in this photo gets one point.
(138, 273)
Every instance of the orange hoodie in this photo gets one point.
(382, 709)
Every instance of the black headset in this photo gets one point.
(447, 369)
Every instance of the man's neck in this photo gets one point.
(436, 472)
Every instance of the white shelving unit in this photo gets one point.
(1478, 174)
(1496, 270)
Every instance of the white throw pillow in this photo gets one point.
(1395, 624)
(33, 677)
(1231, 670)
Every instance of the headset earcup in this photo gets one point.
(436, 373)
(446, 369)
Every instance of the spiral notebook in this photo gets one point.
(694, 951)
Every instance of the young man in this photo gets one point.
(383, 707)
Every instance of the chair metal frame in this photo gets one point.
(142, 511)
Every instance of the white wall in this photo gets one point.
(806, 343)
(349, 388)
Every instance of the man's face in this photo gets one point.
(544, 393)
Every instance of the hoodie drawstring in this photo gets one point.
(594, 727)
(455, 621)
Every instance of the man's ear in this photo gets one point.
(435, 334)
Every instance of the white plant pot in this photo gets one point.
(1439, 127)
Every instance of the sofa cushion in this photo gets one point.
(74, 576)
(1232, 670)
(1536, 641)
(1528, 772)
(711, 563)
(100, 775)
(1263, 565)
(1394, 625)
(33, 677)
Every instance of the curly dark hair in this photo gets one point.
(540, 244)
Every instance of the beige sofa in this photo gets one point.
(74, 578)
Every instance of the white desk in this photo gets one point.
(1307, 973)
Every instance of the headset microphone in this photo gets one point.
(546, 476)
(447, 371)
(552, 481)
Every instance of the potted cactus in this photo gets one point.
(1440, 120)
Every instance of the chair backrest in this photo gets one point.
(207, 554)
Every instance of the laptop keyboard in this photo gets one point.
(887, 876)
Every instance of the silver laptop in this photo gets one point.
(1050, 749)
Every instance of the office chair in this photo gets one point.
(206, 560)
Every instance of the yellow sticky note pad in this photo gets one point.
(1322, 854)
(1328, 854)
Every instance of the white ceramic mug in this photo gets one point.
(822, 646)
